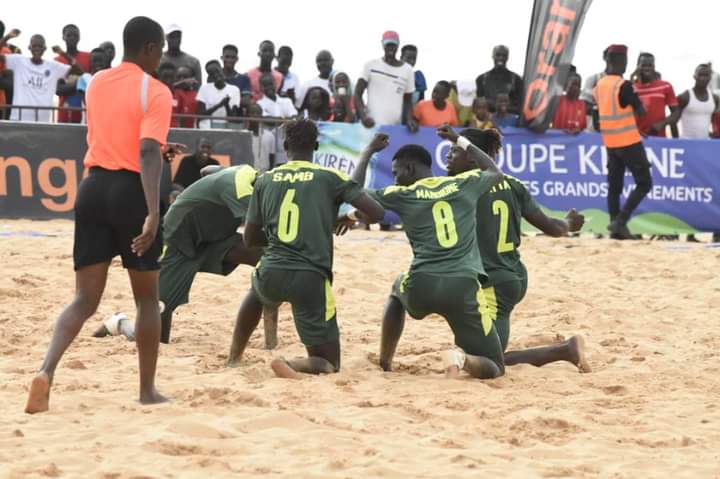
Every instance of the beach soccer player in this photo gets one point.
(200, 236)
(293, 210)
(439, 217)
(117, 211)
(499, 217)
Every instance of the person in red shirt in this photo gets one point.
(437, 111)
(656, 95)
(571, 112)
(184, 98)
(71, 37)
(117, 210)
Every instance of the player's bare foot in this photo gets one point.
(152, 397)
(282, 369)
(452, 372)
(101, 332)
(232, 363)
(39, 397)
(576, 344)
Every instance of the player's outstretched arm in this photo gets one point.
(555, 227)
(370, 209)
(379, 142)
(254, 236)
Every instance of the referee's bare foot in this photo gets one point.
(282, 369)
(39, 397)
(152, 397)
(576, 345)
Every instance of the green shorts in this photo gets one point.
(310, 295)
(460, 301)
(177, 271)
(500, 300)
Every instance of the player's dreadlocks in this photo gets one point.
(301, 135)
(489, 141)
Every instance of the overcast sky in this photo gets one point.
(454, 43)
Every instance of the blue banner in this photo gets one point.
(565, 171)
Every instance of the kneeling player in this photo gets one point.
(438, 214)
(200, 232)
(293, 210)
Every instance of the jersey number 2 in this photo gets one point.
(445, 224)
(289, 218)
(501, 208)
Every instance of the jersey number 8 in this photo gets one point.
(445, 224)
(289, 220)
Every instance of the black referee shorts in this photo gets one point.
(110, 211)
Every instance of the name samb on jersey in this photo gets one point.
(499, 215)
(439, 217)
(297, 205)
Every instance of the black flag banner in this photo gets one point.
(554, 29)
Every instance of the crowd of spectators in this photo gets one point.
(389, 90)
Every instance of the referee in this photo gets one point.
(117, 208)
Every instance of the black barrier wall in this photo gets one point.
(41, 164)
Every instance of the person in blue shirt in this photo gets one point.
(502, 117)
(408, 54)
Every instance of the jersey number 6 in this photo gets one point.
(289, 218)
(445, 224)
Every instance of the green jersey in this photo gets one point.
(499, 219)
(297, 205)
(438, 215)
(209, 210)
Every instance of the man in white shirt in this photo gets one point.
(324, 62)
(272, 104)
(35, 81)
(291, 83)
(217, 98)
(390, 84)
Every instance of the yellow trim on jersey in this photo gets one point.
(329, 301)
(403, 282)
(296, 165)
(164, 250)
(487, 322)
(491, 306)
(244, 178)
(432, 182)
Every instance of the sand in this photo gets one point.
(651, 408)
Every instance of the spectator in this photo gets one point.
(343, 101)
(167, 72)
(655, 95)
(438, 111)
(273, 105)
(71, 37)
(408, 54)
(217, 98)
(189, 170)
(324, 62)
(35, 80)
(6, 76)
(501, 80)
(184, 98)
(109, 48)
(245, 102)
(263, 141)
(291, 82)
(232, 77)
(316, 106)
(462, 97)
(267, 55)
(98, 62)
(697, 105)
(177, 57)
(587, 94)
(502, 117)
(389, 83)
(571, 112)
(483, 118)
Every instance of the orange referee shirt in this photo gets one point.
(124, 106)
